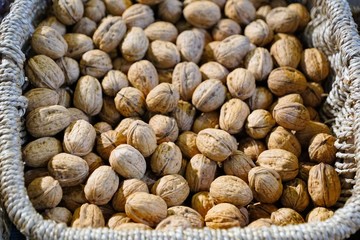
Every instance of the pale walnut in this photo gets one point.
(280, 138)
(262, 11)
(209, 95)
(265, 184)
(259, 123)
(101, 185)
(231, 51)
(304, 169)
(165, 128)
(127, 161)
(261, 99)
(313, 94)
(202, 14)
(261, 222)
(223, 216)
(285, 80)
(146, 208)
(79, 138)
(282, 161)
(143, 76)
(286, 53)
(94, 161)
(88, 95)
(241, 11)
(163, 98)
(233, 115)
(54, 23)
(216, 144)
(251, 147)
(161, 30)
(282, 20)
(73, 197)
(44, 192)
(166, 159)
(138, 15)
(184, 115)
(41, 97)
(202, 202)
(225, 28)
(286, 216)
(295, 195)
(43, 72)
(95, 10)
(260, 210)
(58, 214)
(259, 62)
(200, 173)
(118, 219)
(303, 14)
(65, 97)
(170, 10)
(37, 153)
(109, 33)
(195, 219)
(95, 63)
(241, 83)
(311, 129)
(186, 77)
(173, 222)
(322, 148)
(68, 12)
(126, 188)
(142, 137)
(107, 141)
(208, 53)
(46, 40)
(319, 214)
(116, 7)
(47, 121)
(214, 70)
(324, 185)
(314, 64)
(71, 69)
(163, 54)
(293, 116)
(174, 189)
(190, 44)
(206, 120)
(134, 45)
(239, 165)
(69, 170)
(108, 112)
(88, 215)
(187, 144)
(259, 33)
(78, 44)
(85, 26)
(230, 189)
(130, 102)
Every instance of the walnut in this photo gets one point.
(190, 44)
(71, 69)
(165, 128)
(282, 161)
(44, 192)
(280, 138)
(68, 12)
(138, 15)
(208, 53)
(233, 115)
(282, 20)
(127, 161)
(304, 169)
(146, 208)
(322, 148)
(174, 189)
(230, 189)
(143, 76)
(286, 216)
(132, 226)
(95, 63)
(78, 44)
(118, 219)
(95, 10)
(311, 129)
(241, 11)
(261, 222)
(41, 97)
(187, 144)
(202, 14)
(314, 64)
(58, 214)
(166, 159)
(261, 99)
(239, 165)
(251, 147)
(116, 7)
(107, 142)
(94, 161)
(302, 12)
(319, 214)
(285, 80)
(260, 210)
(134, 45)
(163, 54)
(85, 26)
(130, 102)
(88, 215)
(324, 185)
(161, 30)
(225, 28)
(259, 33)
(262, 11)
(286, 52)
(126, 188)
(172, 222)
(259, 62)
(196, 220)
(293, 116)
(202, 202)
(295, 195)
(64, 97)
(214, 70)
(259, 123)
(206, 120)
(209, 95)
(223, 216)
(163, 98)
(79, 138)
(241, 83)
(184, 115)
(141, 136)
(54, 23)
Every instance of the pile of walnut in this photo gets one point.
(159, 114)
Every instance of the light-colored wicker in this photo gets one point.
(332, 30)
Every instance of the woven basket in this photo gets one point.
(332, 30)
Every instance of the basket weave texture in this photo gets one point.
(332, 30)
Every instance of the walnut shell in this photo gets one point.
(184, 115)
(209, 95)
(311, 129)
(280, 138)
(127, 161)
(282, 20)
(107, 142)
(44, 192)
(202, 14)
(239, 165)
(190, 44)
(174, 189)
(261, 99)
(173, 222)
(94, 161)
(37, 153)
(146, 208)
(293, 116)
(282, 161)
(261, 222)
(108, 112)
(130, 102)
(196, 220)
(58, 214)
(88, 215)
(118, 219)
(143, 76)
(163, 54)
(259, 33)
(214, 70)
(138, 15)
(251, 147)
(141, 136)
(314, 64)
(230, 189)
(225, 28)
(187, 144)
(85, 26)
(241, 11)
(322, 148)
(260, 210)
(134, 45)
(71, 69)
(241, 83)
(259, 62)
(95, 63)
(319, 214)
(41, 97)
(116, 7)
(233, 115)
(216, 144)
(295, 195)
(165, 128)
(161, 30)
(78, 44)
(166, 159)
(286, 52)
(163, 98)
(68, 12)
(54, 23)
(69, 170)
(170, 10)
(285, 80)
(206, 120)
(286, 216)
(95, 10)
(79, 138)
(313, 94)
(132, 226)
(324, 185)
(223, 216)
(43, 72)
(202, 202)
(259, 123)
(101, 185)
